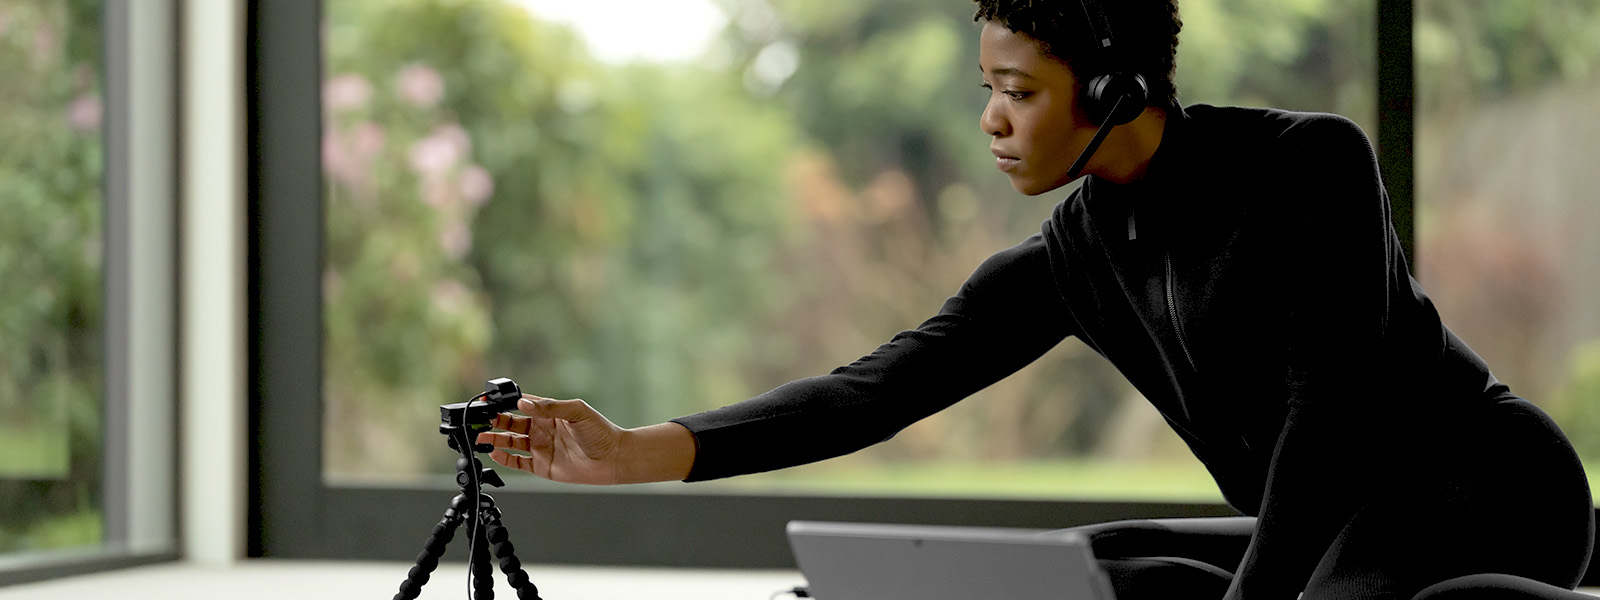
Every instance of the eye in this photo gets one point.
(1013, 94)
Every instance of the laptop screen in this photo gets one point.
(861, 561)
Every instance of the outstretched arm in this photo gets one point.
(1007, 314)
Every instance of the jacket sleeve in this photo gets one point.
(1006, 315)
(1346, 279)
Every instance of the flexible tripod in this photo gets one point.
(460, 424)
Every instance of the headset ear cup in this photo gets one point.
(1103, 91)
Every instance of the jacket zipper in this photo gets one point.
(1172, 312)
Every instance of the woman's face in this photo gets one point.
(1032, 111)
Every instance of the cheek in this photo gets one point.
(1060, 123)
(1069, 134)
(1039, 133)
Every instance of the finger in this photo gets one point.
(512, 423)
(573, 411)
(515, 441)
(522, 435)
(521, 462)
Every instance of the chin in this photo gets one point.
(1026, 187)
(1033, 188)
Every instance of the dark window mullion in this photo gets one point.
(1397, 114)
(284, 179)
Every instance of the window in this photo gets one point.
(86, 360)
(663, 236)
(1506, 210)
(52, 325)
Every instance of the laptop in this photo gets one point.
(865, 561)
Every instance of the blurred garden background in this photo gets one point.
(51, 280)
(662, 234)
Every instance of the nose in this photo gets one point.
(992, 121)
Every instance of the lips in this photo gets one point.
(1005, 162)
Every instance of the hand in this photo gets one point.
(566, 441)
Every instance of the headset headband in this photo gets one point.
(1099, 26)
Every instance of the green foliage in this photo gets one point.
(1469, 51)
(1577, 405)
(51, 330)
(1315, 55)
(630, 208)
(1506, 135)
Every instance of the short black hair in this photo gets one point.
(1145, 34)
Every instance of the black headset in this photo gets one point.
(1112, 98)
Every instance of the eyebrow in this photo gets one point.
(1007, 71)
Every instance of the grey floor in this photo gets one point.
(313, 580)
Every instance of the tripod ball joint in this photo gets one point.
(464, 469)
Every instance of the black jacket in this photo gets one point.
(1251, 286)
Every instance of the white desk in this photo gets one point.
(315, 580)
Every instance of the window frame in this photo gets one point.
(301, 516)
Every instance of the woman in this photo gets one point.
(1239, 266)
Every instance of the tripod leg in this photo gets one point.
(509, 564)
(443, 531)
(482, 567)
